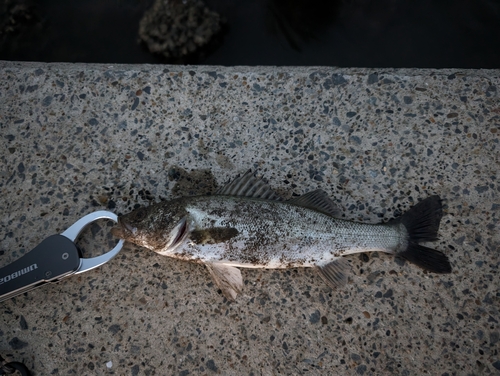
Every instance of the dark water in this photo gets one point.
(348, 33)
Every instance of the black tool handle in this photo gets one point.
(53, 259)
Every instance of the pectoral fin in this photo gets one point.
(228, 278)
(335, 273)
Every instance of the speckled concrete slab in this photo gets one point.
(79, 138)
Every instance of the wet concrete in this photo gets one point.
(78, 138)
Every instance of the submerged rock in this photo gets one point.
(178, 28)
(15, 15)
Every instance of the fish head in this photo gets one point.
(160, 227)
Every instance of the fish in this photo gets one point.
(246, 224)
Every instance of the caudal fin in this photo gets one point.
(422, 224)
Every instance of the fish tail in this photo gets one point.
(422, 224)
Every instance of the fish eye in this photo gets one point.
(140, 214)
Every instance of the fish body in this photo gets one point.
(247, 225)
(256, 233)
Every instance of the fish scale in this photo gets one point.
(304, 236)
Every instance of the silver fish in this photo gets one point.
(246, 224)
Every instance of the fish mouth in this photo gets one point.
(123, 229)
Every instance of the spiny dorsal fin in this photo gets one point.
(319, 201)
(335, 272)
(249, 186)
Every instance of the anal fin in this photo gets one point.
(228, 278)
(335, 273)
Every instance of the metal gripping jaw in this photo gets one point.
(55, 258)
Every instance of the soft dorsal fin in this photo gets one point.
(319, 201)
(249, 186)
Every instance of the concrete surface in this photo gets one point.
(77, 138)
